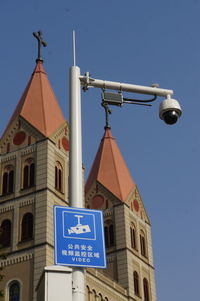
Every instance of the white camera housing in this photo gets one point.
(170, 111)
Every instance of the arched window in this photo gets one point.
(109, 234)
(8, 180)
(143, 244)
(29, 173)
(133, 236)
(136, 283)
(146, 289)
(27, 227)
(5, 234)
(14, 291)
(58, 176)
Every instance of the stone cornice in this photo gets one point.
(110, 259)
(6, 209)
(28, 150)
(16, 259)
(27, 202)
(8, 157)
(108, 212)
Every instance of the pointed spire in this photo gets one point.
(38, 104)
(110, 169)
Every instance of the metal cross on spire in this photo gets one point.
(107, 111)
(41, 42)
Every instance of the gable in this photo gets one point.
(99, 197)
(136, 205)
(18, 135)
(61, 137)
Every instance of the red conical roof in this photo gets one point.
(110, 169)
(38, 104)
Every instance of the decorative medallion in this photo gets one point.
(136, 205)
(65, 144)
(97, 201)
(19, 138)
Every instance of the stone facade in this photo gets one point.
(123, 259)
(26, 259)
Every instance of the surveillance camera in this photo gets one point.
(170, 111)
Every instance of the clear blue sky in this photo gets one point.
(134, 41)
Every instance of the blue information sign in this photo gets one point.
(79, 237)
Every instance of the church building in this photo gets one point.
(34, 160)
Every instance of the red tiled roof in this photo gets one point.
(38, 104)
(110, 169)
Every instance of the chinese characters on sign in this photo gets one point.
(79, 237)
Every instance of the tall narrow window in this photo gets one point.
(106, 235)
(58, 176)
(109, 234)
(11, 181)
(133, 236)
(100, 297)
(5, 234)
(32, 174)
(94, 295)
(8, 180)
(60, 180)
(146, 289)
(143, 244)
(26, 168)
(14, 291)
(136, 283)
(5, 183)
(27, 227)
(29, 173)
(88, 293)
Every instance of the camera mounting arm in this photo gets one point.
(169, 110)
(88, 82)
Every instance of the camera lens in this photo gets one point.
(170, 117)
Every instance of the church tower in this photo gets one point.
(34, 159)
(34, 170)
(111, 188)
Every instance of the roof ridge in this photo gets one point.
(115, 166)
(42, 95)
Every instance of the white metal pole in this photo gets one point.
(75, 168)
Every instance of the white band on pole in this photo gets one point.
(74, 47)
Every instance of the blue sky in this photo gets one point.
(140, 42)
